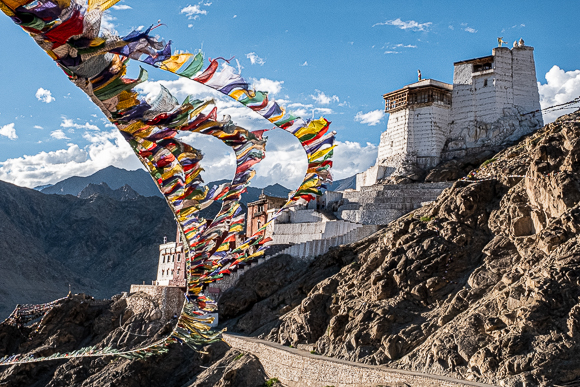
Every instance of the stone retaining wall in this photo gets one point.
(170, 299)
(296, 368)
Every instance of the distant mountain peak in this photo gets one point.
(123, 193)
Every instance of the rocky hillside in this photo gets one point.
(483, 284)
(122, 323)
(98, 245)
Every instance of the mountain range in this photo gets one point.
(140, 182)
(98, 245)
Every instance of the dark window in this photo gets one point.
(482, 67)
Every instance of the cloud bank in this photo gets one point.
(561, 86)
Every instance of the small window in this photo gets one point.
(173, 258)
(482, 67)
(162, 273)
(179, 258)
(485, 83)
(172, 272)
(260, 208)
(392, 142)
(164, 259)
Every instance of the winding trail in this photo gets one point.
(298, 368)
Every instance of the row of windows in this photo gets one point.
(172, 271)
(171, 258)
(171, 251)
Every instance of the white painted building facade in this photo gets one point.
(493, 100)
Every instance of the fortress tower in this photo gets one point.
(492, 97)
(493, 101)
(416, 131)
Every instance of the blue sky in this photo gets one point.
(334, 58)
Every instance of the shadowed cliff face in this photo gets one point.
(483, 284)
(121, 324)
(99, 245)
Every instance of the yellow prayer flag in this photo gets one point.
(256, 254)
(13, 4)
(103, 5)
(127, 100)
(224, 247)
(4, 8)
(237, 94)
(309, 184)
(313, 127)
(133, 127)
(320, 153)
(236, 228)
(276, 118)
(175, 62)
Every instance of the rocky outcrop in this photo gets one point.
(268, 291)
(235, 369)
(482, 284)
(122, 324)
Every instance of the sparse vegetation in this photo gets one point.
(271, 382)
(426, 219)
(488, 162)
(239, 356)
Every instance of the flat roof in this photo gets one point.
(424, 83)
(483, 59)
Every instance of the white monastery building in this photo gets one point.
(494, 100)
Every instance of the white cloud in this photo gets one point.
(44, 95)
(470, 30)
(38, 127)
(67, 123)
(264, 84)
(235, 16)
(561, 86)
(121, 7)
(371, 118)
(351, 158)
(324, 99)
(8, 131)
(219, 161)
(285, 161)
(255, 59)
(104, 149)
(107, 22)
(406, 25)
(392, 52)
(58, 134)
(401, 45)
(304, 64)
(192, 10)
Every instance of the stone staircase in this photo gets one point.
(381, 204)
(313, 248)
